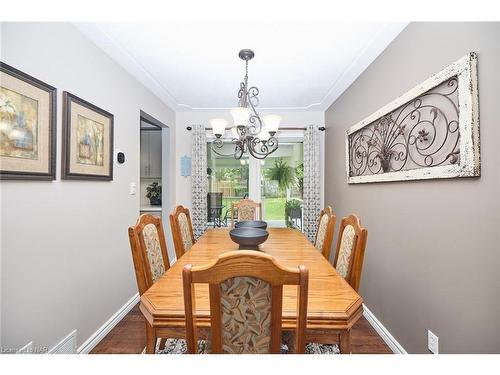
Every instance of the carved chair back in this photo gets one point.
(246, 296)
(324, 234)
(149, 250)
(182, 230)
(350, 252)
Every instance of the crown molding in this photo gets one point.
(372, 50)
(119, 54)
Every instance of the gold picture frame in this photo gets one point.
(27, 126)
(87, 145)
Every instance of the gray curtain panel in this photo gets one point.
(199, 180)
(312, 191)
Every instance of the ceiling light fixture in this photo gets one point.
(250, 133)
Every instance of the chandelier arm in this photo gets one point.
(265, 149)
(218, 143)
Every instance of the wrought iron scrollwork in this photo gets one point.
(421, 133)
(248, 140)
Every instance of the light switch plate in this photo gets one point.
(432, 342)
(133, 188)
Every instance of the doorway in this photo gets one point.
(155, 167)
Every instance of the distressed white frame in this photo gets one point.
(468, 121)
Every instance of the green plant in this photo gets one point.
(153, 191)
(282, 173)
(293, 209)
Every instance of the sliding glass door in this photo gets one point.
(281, 185)
(275, 181)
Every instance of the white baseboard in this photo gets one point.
(383, 332)
(98, 335)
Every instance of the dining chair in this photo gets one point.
(324, 234)
(348, 262)
(182, 230)
(246, 297)
(150, 257)
(247, 210)
(214, 208)
(350, 251)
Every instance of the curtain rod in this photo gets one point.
(321, 128)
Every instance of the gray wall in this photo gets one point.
(432, 257)
(66, 259)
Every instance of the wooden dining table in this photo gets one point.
(333, 306)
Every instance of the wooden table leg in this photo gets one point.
(150, 339)
(345, 341)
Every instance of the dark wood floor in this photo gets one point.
(129, 337)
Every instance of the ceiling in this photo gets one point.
(195, 66)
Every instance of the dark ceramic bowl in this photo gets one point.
(248, 238)
(251, 224)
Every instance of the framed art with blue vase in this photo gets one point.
(27, 126)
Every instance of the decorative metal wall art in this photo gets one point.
(432, 131)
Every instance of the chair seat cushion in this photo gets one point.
(315, 348)
(178, 346)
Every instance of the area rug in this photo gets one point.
(178, 346)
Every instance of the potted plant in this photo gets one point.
(293, 210)
(154, 194)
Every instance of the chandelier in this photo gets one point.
(250, 133)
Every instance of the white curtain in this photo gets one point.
(199, 180)
(312, 190)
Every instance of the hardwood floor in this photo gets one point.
(129, 337)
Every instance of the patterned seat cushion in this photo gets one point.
(246, 212)
(345, 251)
(178, 346)
(315, 348)
(288, 338)
(185, 231)
(153, 249)
(322, 227)
(246, 315)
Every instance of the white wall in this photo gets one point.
(66, 259)
(183, 140)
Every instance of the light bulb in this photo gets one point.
(272, 123)
(218, 126)
(240, 116)
(234, 132)
(264, 134)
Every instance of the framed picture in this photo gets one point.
(87, 147)
(27, 126)
(432, 131)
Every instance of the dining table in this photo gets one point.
(333, 306)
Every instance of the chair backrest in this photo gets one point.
(324, 234)
(149, 250)
(350, 253)
(247, 210)
(246, 296)
(213, 200)
(182, 230)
